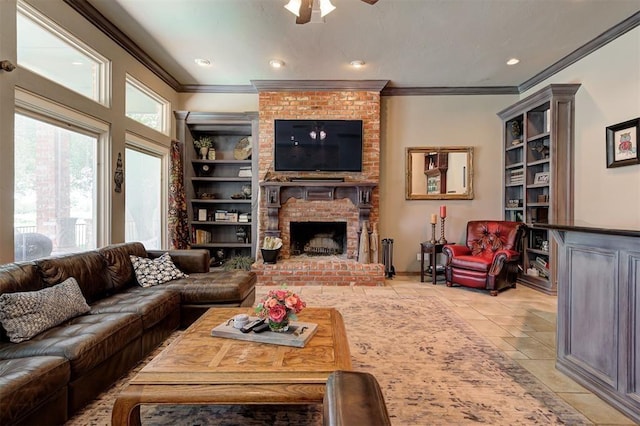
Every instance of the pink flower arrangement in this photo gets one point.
(279, 305)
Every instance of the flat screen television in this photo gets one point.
(318, 145)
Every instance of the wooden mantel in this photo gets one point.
(277, 193)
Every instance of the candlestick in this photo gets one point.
(434, 218)
(433, 233)
(442, 240)
(443, 211)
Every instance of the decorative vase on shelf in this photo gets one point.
(203, 152)
(279, 327)
(211, 155)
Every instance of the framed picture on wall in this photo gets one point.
(622, 143)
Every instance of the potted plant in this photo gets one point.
(242, 263)
(203, 144)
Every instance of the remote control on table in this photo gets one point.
(260, 328)
(251, 325)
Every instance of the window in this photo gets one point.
(145, 192)
(146, 107)
(55, 189)
(48, 50)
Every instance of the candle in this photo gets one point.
(443, 211)
(434, 218)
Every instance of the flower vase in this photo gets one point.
(279, 327)
(203, 152)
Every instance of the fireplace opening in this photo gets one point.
(318, 238)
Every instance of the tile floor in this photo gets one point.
(521, 322)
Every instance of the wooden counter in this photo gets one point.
(599, 311)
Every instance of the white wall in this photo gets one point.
(610, 94)
(218, 102)
(421, 121)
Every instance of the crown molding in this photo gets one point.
(433, 91)
(318, 85)
(92, 15)
(113, 32)
(584, 50)
(218, 88)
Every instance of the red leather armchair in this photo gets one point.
(490, 258)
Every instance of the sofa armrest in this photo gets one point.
(188, 261)
(352, 399)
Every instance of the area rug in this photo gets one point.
(433, 368)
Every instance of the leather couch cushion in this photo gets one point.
(187, 260)
(25, 314)
(88, 268)
(151, 306)
(26, 383)
(85, 341)
(119, 264)
(215, 287)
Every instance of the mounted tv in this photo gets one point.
(318, 145)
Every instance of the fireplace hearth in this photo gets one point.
(318, 238)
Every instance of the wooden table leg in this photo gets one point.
(126, 410)
(434, 271)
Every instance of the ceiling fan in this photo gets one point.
(304, 9)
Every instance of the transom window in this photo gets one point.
(48, 50)
(146, 106)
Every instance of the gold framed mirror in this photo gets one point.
(439, 173)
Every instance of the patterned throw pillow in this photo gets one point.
(150, 272)
(26, 314)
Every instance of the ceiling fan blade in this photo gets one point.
(305, 12)
(370, 1)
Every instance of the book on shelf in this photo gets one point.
(244, 217)
(225, 216)
(542, 262)
(543, 272)
(202, 236)
(245, 172)
(516, 176)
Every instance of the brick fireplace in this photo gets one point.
(351, 201)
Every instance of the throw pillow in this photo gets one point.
(26, 314)
(150, 272)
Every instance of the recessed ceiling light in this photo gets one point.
(357, 64)
(202, 62)
(276, 63)
(78, 63)
(513, 61)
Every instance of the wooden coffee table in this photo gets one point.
(200, 369)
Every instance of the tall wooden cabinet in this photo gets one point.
(538, 137)
(221, 192)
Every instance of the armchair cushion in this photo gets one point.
(484, 238)
(474, 263)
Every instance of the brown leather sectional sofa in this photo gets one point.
(48, 378)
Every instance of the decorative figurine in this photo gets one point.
(118, 174)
